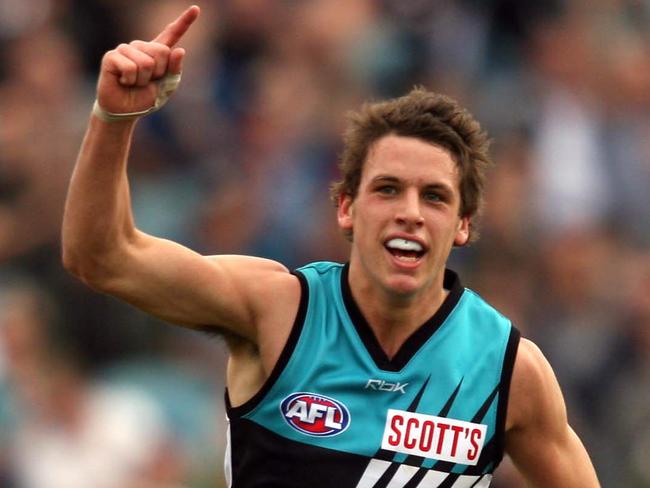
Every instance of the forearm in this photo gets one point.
(98, 221)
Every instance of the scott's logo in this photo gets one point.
(314, 414)
(429, 436)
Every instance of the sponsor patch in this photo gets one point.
(434, 437)
(314, 414)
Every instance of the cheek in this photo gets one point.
(442, 227)
(367, 228)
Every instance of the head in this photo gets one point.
(432, 118)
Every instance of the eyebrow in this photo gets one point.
(387, 178)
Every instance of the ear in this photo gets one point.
(462, 233)
(345, 212)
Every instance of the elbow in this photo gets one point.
(70, 263)
(70, 259)
(78, 267)
(73, 264)
(90, 270)
(98, 259)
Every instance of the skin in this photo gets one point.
(409, 188)
(401, 197)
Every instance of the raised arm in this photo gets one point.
(539, 439)
(101, 244)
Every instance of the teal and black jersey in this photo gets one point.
(337, 412)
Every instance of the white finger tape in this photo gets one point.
(166, 86)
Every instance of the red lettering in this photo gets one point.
(457, 430)
(472, 453)
(443, 428)
(395, 424)
(426, 437)
(410, 442)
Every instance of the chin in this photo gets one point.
(404, 285)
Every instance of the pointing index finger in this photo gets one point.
(174, 31)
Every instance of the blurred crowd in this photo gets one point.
(95, 393)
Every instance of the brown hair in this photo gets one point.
(428, 116)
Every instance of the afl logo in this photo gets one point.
(314, 414)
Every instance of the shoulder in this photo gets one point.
(248, 262)
(271, 292)
(254, 271)
(535, 396)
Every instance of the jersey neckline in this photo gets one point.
(415, 341)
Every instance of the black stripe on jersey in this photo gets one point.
(449, 481)
(494, 448)
(480, 413)
(285, 355)
(384, 455)
(411, 459)
(418, 460)
(416, 340)
(387, 476)
(488, 448)
(450, 402)
(477, 481)
(263, 459)
(417, 478)
(416, 401)
(445, 466)
(487, 458)
(504, 392)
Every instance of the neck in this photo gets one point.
(393, 317)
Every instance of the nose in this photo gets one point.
(410, 211)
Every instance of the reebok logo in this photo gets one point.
(381, 385)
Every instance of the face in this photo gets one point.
(405, 217)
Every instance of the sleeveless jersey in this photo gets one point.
(337, 412)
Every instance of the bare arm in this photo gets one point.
(101, 244)
(539, 439)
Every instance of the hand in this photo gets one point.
(128, 74)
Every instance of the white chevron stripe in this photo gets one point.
(402, 476)
(373, 472)
(465, 481)
(227, 461)
(485, 481)
(432, 479)
(376, 469)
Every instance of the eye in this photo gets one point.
(387, 190)
(431, 196)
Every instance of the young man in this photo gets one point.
(381, 372)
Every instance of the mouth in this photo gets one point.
(405, 250)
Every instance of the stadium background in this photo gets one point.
(94, 393)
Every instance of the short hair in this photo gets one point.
(428, 116)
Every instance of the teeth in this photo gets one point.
(410, 259)
(404, 245)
